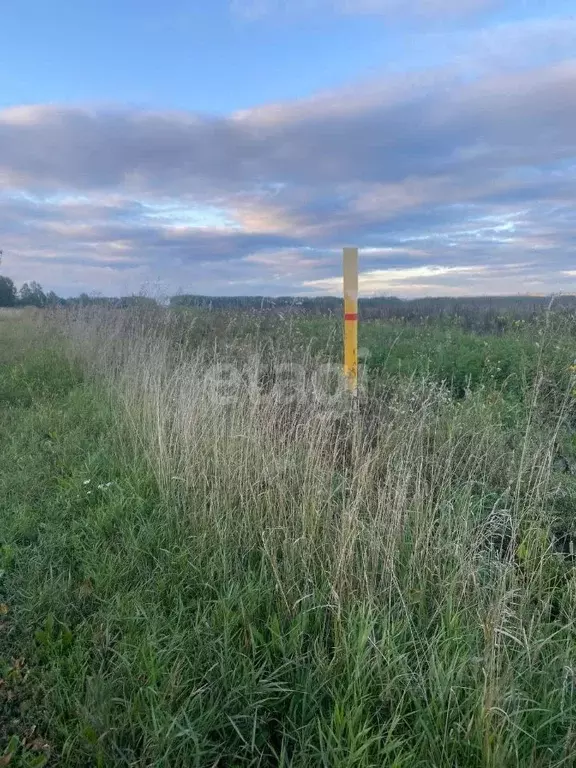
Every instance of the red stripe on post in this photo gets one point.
(351, 316)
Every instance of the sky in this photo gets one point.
(233, 147)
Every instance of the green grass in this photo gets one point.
(184, 588)
(439, 349)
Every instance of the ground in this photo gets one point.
(189, 585)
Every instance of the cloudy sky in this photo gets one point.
(234, 146)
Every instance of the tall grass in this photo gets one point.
(316, 582)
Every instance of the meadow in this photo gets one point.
(203, 563)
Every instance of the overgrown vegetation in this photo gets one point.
(256, 582)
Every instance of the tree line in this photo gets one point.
(487, 313)
(29, 295)
(33, 295)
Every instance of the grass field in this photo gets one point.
(187, 581)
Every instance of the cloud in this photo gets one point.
(435, 280)
(113, 239)
(407, 126)
(441, 170)
(532, 41)
(381, 280)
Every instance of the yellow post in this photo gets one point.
(351, 319)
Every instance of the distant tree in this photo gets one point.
(32, 295)
(84, 300)
(7, 292)
(144, 302)
(53, 300)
